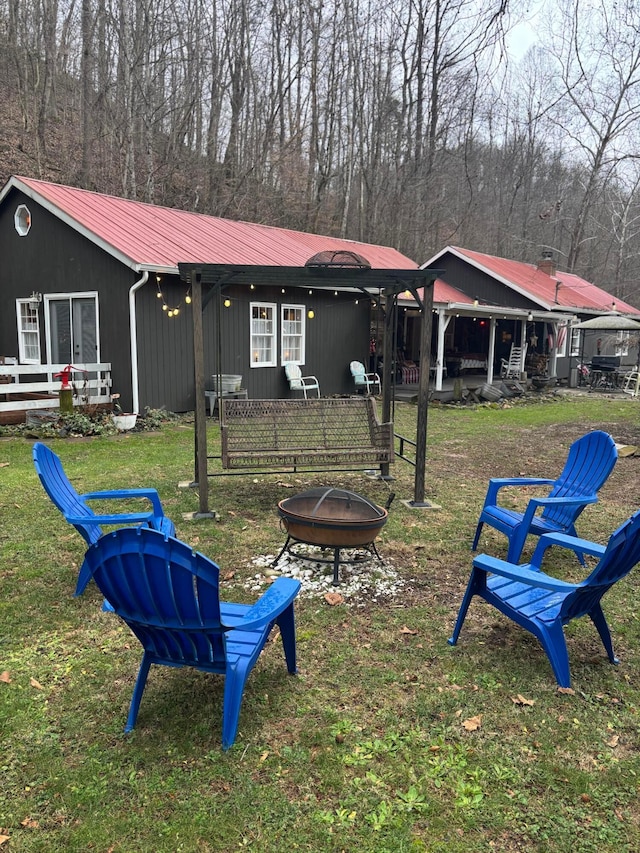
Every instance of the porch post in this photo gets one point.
(523, 344)
(200, 402)
(553, 356)
(492, 349)
(443, 322)
(423, 394)
(388, 364)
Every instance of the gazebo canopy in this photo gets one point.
(610, 322)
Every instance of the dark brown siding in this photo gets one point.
(479, 285)
(53, 258)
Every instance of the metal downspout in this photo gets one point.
(133, 336)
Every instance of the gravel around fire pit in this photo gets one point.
(361, 582)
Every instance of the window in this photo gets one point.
(622, 342)
(562, 340)
(28, 331)
(263, 334)
(22, 220)
(292, 341)
(72, 328)
(575, 341)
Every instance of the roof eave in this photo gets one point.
(61, 214)
(507, 282)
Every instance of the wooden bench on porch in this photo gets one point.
(342, 432)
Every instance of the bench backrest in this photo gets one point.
(326, 423)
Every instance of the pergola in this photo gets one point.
(337, 272)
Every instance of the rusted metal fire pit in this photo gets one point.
(331, 518)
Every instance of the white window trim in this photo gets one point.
(576, 338)
(622, 342)
(303, 333)
(22, 357)
(22, 220)
(562, 348)
(274, 335)
(80, 294)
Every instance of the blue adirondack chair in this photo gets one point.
(168, 596)
(74, 506)
(589, 463)
(543, 604)
(368, 382)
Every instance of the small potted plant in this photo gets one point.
(123, 421)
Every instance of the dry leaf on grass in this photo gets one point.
(30, 823)
(4, 676)
(4, 464)
(520, 700)
(333, 598)
(36, 684)
(473, 723)
(405, 630)
(569, 691)
(3, 839)
(615, 740)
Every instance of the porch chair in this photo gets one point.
(75, 509)
(589, 463)
(168, 596)
(542, 604)
(363, 380)
(512, 368)
(632, 383)
(298, 382)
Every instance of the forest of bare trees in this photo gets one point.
(410, 123)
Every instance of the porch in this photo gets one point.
(30, 387)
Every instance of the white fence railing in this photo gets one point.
(91, 384)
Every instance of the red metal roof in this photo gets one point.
(146, 236)
(443, 293)
(559, 291)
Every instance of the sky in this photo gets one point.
(523, 35)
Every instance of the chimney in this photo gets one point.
(546, 264)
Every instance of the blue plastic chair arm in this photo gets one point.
(497, 483)
(563, 540)
(523, 574)
(536, 503)
(269, 606)
(124, 494)
(116, 518)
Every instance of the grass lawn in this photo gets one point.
(389, 739)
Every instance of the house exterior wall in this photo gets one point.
(336, 335)
(479, 285)
(53, 258)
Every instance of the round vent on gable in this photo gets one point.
(22, 220)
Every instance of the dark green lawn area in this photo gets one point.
(389, 739)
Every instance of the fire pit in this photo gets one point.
(331, 518)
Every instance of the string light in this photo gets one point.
(171, 311)
(227, 303)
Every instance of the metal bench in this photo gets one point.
(340, 432)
